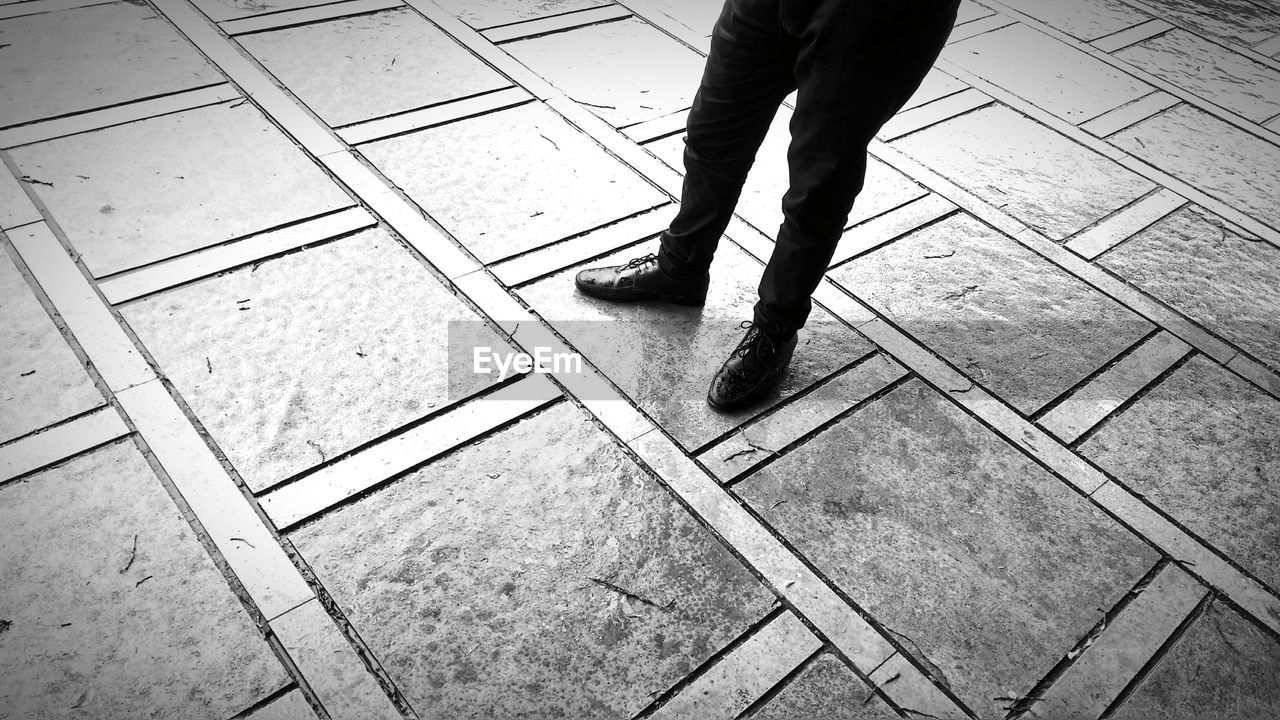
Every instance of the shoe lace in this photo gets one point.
(640, 261)
(756, 343)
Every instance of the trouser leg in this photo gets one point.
(747, 75)
(858, 64)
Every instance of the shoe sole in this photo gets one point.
(628, 295)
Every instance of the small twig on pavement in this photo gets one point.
(133, 554)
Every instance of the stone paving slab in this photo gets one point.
(1196, 446)
(976, 558)
(1006, 317)
(220, 10)
(663, 357)
(1224, 161)
(625, 71)
(296, 360)
(1052, 75)
(490, 13)
(537, 573)
(1018, 165)
(75, 60)
(1210, 71)
(1245, 22)
(698, 16)
(1084, 19)
(1225, 281)
(44, 382)
(368, 66)
(826, 690)
(142, 192)
(554, 181)
(111, 606)
(1224, 667)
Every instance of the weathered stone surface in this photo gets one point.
(664, 356)
(1223, 667)
(626, 71)
(1202, 447)
(697, 15)
(1238, 168)
(1244, 21)
(1019, 165)
(1211, 71)
(537, 573)
(1049, 73)
(75, 60)
(488, 13)
(367, 66)
(112, 609)
(1003, 315)
(290, 707)
(219, 10)
(761, 202)
(44, 381)
(553, 180)
(982, 562)
(1084, 19)
(142, 192)
(307, 356)
(826, 690)
(1224, 281)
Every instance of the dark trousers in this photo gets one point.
(854, 64)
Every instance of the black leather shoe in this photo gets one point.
(753, 369)
(641, 279)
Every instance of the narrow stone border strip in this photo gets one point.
(1096, 401)
(1269, 48)
(1145, 107)
(883, 229)
(1191, 554)
(657, 128)
(116, 115)
(544, 261)
(1131, 35)
(229, 518)
(932, 113)
(336, 675)
(423, 118)
(986, 24)
(970, 11)
(34, 7)
(1125, 223)
(912, 691)
(1156, 11)
(334, 483)
(16, 208)
(669, 25)
(1098, 676)
(305, 16)
(290, 705)
(51, 445)
(1257, 373)
(166, 274)
(764, 439)
(88, 319)
(740, 678)
(554, 24)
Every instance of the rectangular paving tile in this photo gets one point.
(1084, 19)
(1016, 164)
(1223, 667)
(44, 382)
(554, 180)
(1132, 36)
(15, 207)
(1047, 72)
(663, 357)
(1007, 318)
(626, 71)
(935, 85)
(1243, 21)
(305, 357)
(368, 66)
(489, 13)
(84, 58)
(220, 10)
(138, 193)
(1210, 71)
(1225, 281)
(104, 585)
(538, 572)
(825, 689)
(979, 561)
(1126, 223)
(1202, 447)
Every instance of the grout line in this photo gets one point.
(117, 115)
(423, 118)
(554, 24)
(1129, 114)
(170, 273)
(60, 442)
(1126, 223)
(304, 16)
(336, 483)
(1133, 35)
(33, 7)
